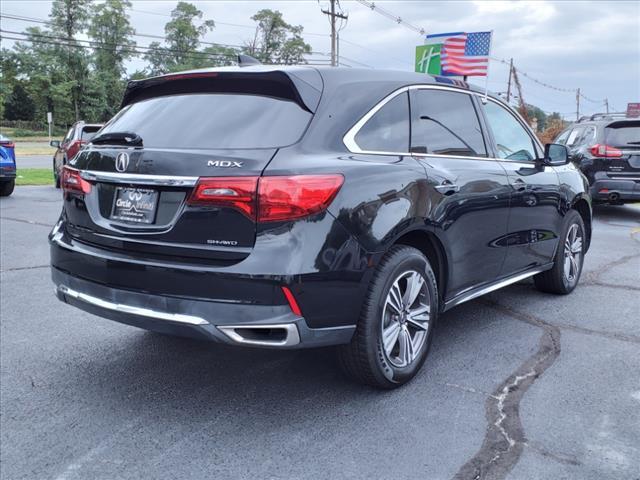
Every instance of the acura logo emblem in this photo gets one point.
(122, 162)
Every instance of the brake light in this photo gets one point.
(234, 192)
(8, 144)
(73, 148)
(289, 198)
(72, 181)
(599, 150)
(278, 198)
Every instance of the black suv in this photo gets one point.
(606, 147)
(292, 207)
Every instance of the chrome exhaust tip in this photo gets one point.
(280, 335)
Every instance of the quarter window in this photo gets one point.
(512, 140)
(445, 123)
(388, 129)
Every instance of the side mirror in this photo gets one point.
(55, 143)
(555, 154)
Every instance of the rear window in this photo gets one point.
(88, 133)
(201, 121)
(622, 134)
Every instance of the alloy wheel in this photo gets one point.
(572, 254)
(405, 319)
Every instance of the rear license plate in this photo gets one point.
(135, 205)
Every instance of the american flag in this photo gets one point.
(466, 54)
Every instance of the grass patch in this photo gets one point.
(33, 148)
(34, 176)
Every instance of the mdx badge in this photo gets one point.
(224, 163)
(122, 162)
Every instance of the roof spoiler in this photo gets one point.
(303, 87)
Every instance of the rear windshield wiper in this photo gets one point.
(118, 138)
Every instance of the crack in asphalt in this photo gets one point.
(30, 222)
(504, 438)
(15, 269)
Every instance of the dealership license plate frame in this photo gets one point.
(138, 213)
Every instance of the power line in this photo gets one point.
(23, 18)
(392, 16)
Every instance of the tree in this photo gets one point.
(19, 105)
(183, 37)
(275, 41)
(68, 18)
(111, 30)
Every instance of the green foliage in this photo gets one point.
(276, 41)
(19, 105)
(182, 42)
(52, 71)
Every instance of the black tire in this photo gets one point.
(365, 359)
(6, 188)
(557, 280)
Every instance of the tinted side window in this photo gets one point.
(446, 123)
(512, 140)
(388, 129)
(562, 138)
(574, 137)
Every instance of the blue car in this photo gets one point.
(7, 166)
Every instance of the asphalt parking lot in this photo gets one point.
(519, 385)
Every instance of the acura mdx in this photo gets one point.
(293, 207)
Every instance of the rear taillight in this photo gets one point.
(599, 150)
(73, 148)
(72, 181)
(8, 144)
(269, 199)
(289, 198)
(233, 192)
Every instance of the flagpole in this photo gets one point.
(486, 85)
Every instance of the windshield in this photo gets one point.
(201, 121)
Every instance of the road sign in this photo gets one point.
(633, 110)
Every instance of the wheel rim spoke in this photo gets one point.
(394, 299)
(406, 347)
(390, 336)
(419, 317)
(414, 285)
(576, 246)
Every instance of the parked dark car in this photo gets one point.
(606, 147)
(79, 134)
(7, 166)
(292, 207)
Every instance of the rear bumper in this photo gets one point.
(7, 173)
(266, 326)
(615, 190)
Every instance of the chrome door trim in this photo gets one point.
(477, 292)
(349, 138)
(130, 309)
(136, 178)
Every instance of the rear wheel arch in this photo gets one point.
(432, 248)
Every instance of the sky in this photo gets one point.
(591, 45)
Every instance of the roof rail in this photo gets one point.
(608, 116)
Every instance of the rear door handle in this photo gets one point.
(520, 184)
(447, 188)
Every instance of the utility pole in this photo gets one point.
(577, 105)
(606, 104)
(509, 82)
(333, 15)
